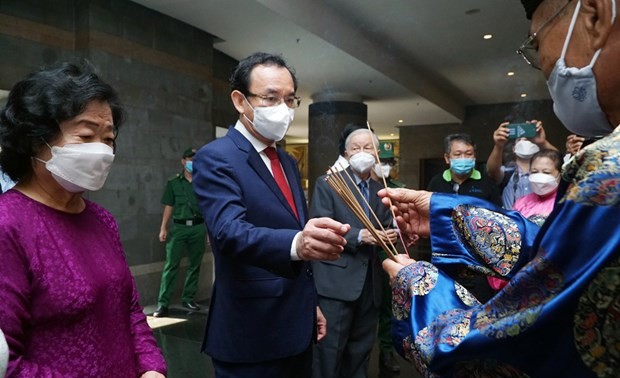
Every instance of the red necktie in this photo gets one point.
(278, 174)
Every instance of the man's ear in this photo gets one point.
(238, 100)
(446, 158)
(598, 21)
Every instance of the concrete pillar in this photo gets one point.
(328, 114)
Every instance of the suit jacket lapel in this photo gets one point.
(375, 203)
(373, 200)
(354, 189)
(257, 163)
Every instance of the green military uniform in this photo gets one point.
(384, 334)
(188, 231)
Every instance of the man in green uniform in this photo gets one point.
(388, 162)
(387, 361)
(188, 231)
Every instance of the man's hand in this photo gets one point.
(573, 144)
(500, 136)
(393, 267)
(412, 210)
(322, 239)
(163, 234)
(390, 235)
(321, 325)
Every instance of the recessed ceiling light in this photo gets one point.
(523, 94)
(400, 121)
(510, 73)
(487, 36)
(392, 134)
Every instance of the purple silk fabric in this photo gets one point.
(68, 302)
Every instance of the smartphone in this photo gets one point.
(521, 130)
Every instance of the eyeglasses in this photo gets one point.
(273, 100)
(528, 50)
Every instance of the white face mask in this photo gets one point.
(362, 162)
(80, 167)
(526, 149)
(272, 122)
(383, 170)
(573, 91)
(543, 183)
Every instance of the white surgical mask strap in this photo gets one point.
(572, 27)
(48, 146)
(251, 107)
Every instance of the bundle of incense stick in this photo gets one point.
(338, 183)
(400, 234)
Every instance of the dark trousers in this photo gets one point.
(384, 333)
(299, 366)
(351, 331)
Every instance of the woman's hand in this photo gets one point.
(152, 374)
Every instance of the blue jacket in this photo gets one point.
(263, 305)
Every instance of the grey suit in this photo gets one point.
(349, 288)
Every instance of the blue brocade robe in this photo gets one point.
(560, 314)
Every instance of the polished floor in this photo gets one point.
(180, 336)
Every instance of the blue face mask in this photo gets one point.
(462, 166)
(188, 166)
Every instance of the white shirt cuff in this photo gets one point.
(294, 256)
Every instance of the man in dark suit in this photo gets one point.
(263, 316)
(350, 288)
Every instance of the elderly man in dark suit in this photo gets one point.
(350, 288)
(263, 317)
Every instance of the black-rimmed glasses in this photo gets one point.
(273, 100)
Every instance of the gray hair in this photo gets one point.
(358, 132)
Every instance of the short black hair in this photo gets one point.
(458, 137)
(39, 103)
(348, 129)
(530, 7)
(554, 155)
(240, 78)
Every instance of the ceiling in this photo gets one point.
(412, 62)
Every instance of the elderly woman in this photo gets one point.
(68, 303)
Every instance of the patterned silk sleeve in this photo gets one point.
(559, 315)
(471, 233)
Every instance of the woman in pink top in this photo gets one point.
(545, 168)
(68, 303)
